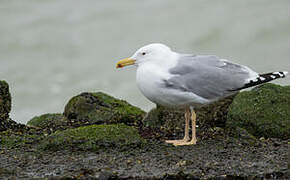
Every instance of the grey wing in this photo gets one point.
(208, 76)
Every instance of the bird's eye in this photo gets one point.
(143, 53)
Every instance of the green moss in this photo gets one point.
(11, 140)
(93, 137)
(263, 112)
(52, 121)
(99, 108)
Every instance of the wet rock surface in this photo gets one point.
(100, 137)
(207, 159)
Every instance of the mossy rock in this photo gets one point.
(51, 121)
(263, 111)
(5, 100)
(11, 139)
(93, 137)
(170, 122)
(100, 108)
(5, 108)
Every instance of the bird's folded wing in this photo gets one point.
(207, 76)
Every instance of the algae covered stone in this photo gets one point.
(100, 108)
(263, 111)
(11, 139)
(5, 108)
(52, 121)
(93, 137)
(5, 100)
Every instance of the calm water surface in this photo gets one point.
(51, 50)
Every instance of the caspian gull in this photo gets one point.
(187, 81)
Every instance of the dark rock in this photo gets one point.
(9, 124)
(5, 108)
(242, 136)
(215, 114)
(210, 159)
(107, 175)
(162, 121)
(263, 111)
(167, 122)
(100, 108)
(5, 101)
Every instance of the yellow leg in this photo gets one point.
(186, 131)
(193, 139)
(193, 119)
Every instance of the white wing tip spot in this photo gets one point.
(281, 74)
(278, 73)
(273, 77)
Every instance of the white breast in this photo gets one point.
(150, 78)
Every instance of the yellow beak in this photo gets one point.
(125, 62)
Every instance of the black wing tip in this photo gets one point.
(263, 78)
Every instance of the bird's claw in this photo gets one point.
(181, 142)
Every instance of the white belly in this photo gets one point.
(150, 82)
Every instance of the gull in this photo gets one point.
(187, 81)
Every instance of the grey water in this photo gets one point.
(51, 50)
